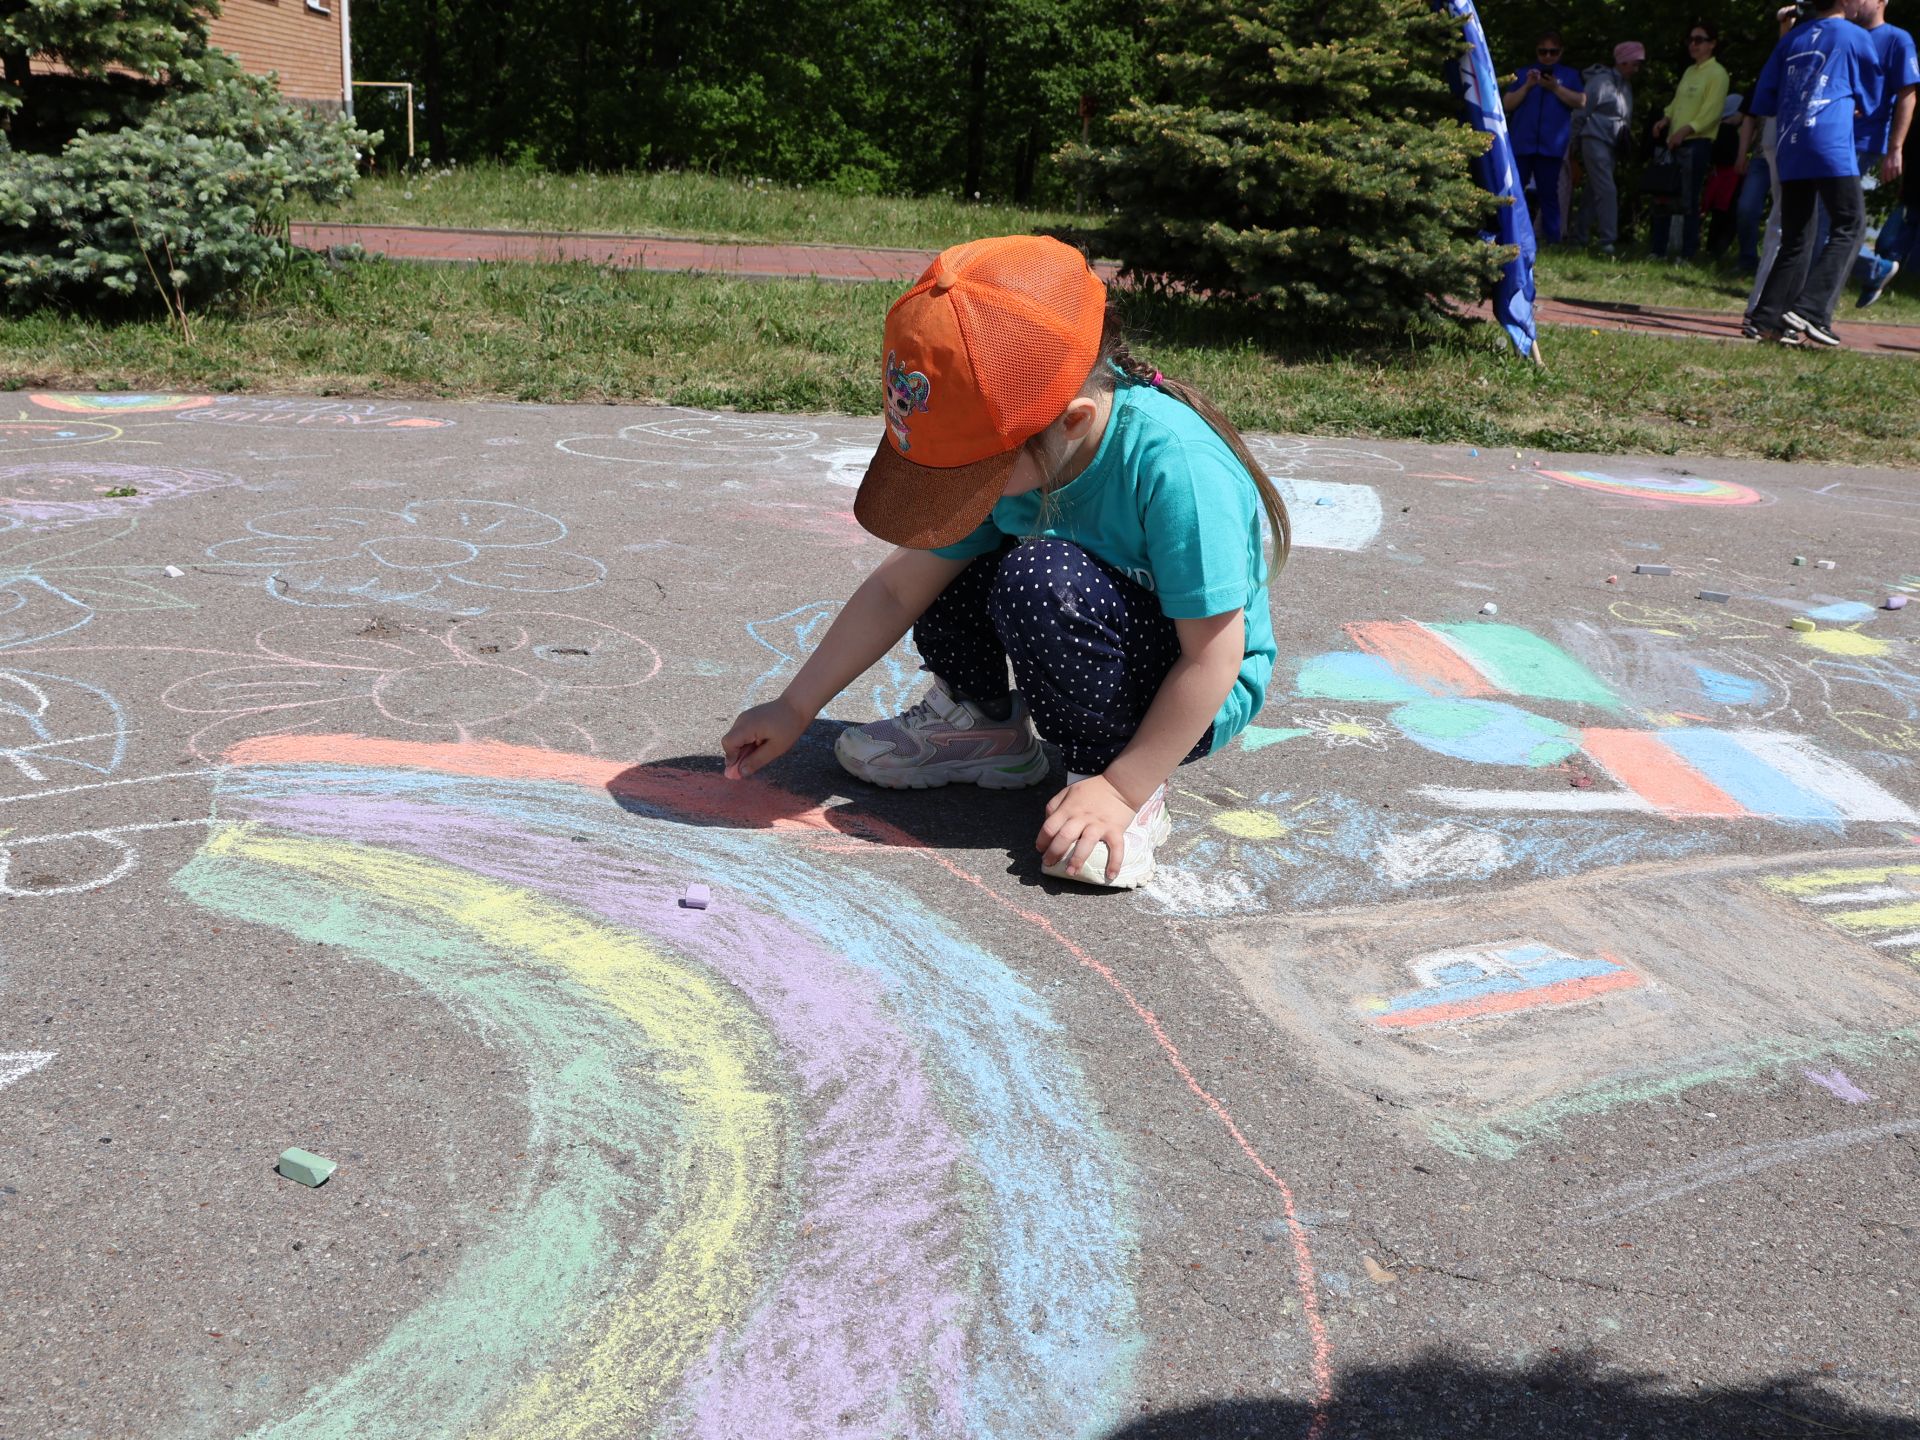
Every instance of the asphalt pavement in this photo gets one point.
(1518, 1038)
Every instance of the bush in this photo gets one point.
(196, 194)
(1303, 157)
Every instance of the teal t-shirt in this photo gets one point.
(1166, 501)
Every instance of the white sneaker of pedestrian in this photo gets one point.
(1808, 330)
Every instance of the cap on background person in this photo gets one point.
(1629, 50)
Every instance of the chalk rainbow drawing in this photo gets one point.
(117, 404)
(440, 554)
(70, 492)
(1490, 981)
(873, 1197)
(1406, 661)
(1678, 490)
(1879, 904)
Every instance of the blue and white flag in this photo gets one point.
(1473, 80)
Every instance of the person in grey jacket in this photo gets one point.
(1603, 122)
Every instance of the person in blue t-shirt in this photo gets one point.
(1821, 72)
(1883, 134)
(1064, 507)
(1540, 126)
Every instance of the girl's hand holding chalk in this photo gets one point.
(1081, 816)
(760, 736)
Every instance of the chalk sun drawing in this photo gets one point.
(515, 675)
(1662, 490)
(117, 404)
(27, 434)
(70, 492)
(890, 1209)
(445, 555)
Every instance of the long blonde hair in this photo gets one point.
(1115, 355)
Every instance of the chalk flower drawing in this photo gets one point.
(438, 554)
(1337, 730)
(68, 492)
(518, 675)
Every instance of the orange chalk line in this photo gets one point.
(489, 759)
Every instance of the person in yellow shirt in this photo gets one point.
(1689, 125)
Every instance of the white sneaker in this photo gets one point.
(941, 740)
(1150, 827)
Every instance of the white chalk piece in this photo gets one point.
(1489, 608)
(1896, 602)
(174, 572)
(698, 897)
(1721, 596)
(1823, 564)
(1653, 569)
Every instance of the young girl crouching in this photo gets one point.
(1062, 506)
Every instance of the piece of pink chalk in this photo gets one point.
(1896, 602)
(696, 898)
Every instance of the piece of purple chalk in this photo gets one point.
(696, 898)
(1896, 602)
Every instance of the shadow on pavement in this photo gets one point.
(1440, 1399)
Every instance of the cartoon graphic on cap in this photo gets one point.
(906, 394)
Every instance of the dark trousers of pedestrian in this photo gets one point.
(1695, 158)
(1090, 647)
(1750, 210)
(1803, 281)
(1541, 174)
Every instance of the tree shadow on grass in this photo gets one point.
(1564, 1399)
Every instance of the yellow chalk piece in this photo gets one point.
(699, 1281)
(1802, 624)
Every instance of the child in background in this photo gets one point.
(1063, 506)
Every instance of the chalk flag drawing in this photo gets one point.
(877, 1198)
(56, 492)
(523, 676)
(1661, 490)
(117, 404)
(1877, 904)
(18, 1064)
(1501, 1041)
(1490, 981)
(365, 415)
(446, 555)
(1324, 515)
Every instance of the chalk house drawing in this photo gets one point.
(1625, 986)
(849, 1222)
(519, 676)
(448, 555)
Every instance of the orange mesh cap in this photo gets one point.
(982, 354)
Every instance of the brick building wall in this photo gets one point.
(301, 39)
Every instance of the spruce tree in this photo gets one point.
(1303, 157)
(111, 60)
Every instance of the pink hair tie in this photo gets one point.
(1156, 379)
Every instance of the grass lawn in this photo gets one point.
(1564, 272)
(576, 333)
(708, 207)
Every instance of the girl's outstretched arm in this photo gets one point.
(1101, 807)
(870, 624)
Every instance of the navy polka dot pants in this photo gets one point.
(1089, 646)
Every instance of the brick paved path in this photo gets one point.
(851, 262)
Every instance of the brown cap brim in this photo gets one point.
(921, 506)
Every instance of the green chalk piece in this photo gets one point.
(306, 1167)
(1799, 559)
(1801, 623)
